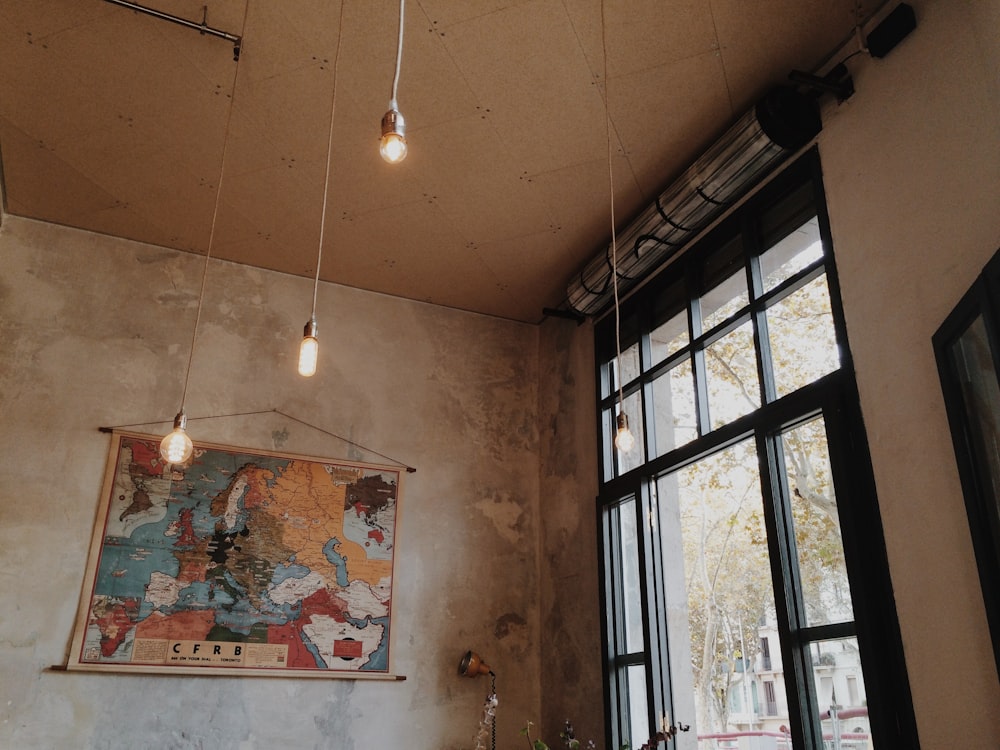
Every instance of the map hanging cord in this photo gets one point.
(409, 469)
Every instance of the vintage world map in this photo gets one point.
(239, 561)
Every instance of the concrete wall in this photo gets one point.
(497, 527)
(571, 678)
(912, 172)
(96, 331)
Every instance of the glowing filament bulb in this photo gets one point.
(393, 143)
(624, 440)
(176, 448)
(309, 350)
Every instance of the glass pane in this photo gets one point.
(733, 387)
(638, 710)
(714, 547)
(628, 460)
(674, 415)
(631, 593)
(820, 547)
(669, 338)
(724, 301)
(840, 692)
(789, 256)
(630, 367)
(803, 340)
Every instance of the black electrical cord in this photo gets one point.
(493, 724)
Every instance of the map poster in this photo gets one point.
(241, 562)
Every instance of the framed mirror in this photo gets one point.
(967, 348)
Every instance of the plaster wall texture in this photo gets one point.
(96, 331)
(570, 678)
(912, 174)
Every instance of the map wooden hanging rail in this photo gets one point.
(409, 469)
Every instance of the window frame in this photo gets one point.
(832, 396)
(980, 302)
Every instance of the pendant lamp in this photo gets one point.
(176, 447)
(392, 145)
(624, 440)
(309, 348)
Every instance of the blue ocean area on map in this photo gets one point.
(126, 567)
(283, 573)
(337, 560)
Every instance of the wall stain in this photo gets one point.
(507, 624)
(279, 437)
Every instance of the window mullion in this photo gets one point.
(762, 342)
(698, 371)
(789, 607)
(615, 618)
(658, 649)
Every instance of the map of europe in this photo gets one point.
(237, 561)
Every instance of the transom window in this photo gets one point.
(734, 530)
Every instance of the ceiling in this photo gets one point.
(116, 122)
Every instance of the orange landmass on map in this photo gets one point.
(115, 623)
(187, 625)
(192, 564)
(311, 506)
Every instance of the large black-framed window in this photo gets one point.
(967, 347)
(745, 582)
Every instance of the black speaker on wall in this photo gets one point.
(893, 29)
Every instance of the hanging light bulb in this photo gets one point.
(392, 145)
(309, 350)
(624, 440)
(176, 448)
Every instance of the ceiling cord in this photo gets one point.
(329, 152)
(399, 57)
(215, 216)
(614, 240)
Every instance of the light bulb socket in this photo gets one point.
(180, 421)
(622, 421)
(393, 123)
(310, 330)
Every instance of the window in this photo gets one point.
(734, 532)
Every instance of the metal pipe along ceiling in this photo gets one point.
(781, 122)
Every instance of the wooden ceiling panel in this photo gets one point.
(40, 21)
(641, 34)
(444, 14)
(293, 195)
(530, 76)
(692, 108)
(116, 122)
(30, 171)
(490, 203)
(291, 248)
(528, 268)
(759, 49)
(578, 199)
(293, 109)
(407, 246)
